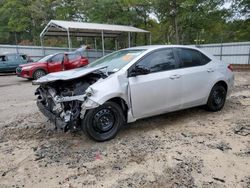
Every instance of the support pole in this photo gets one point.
(116, 45)
(96, 56)
(129, 39)
(69, 41)
(41, 40)
(150, 38)
(103, 52)
(95, 45)
(249, 56)
(221, 46)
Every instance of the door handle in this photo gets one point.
(176, 76)
(210, 70)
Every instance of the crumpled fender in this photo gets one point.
(106, 89)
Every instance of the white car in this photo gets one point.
(131, 84)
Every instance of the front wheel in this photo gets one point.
(104, 122)
(216, 98)
(38, 74)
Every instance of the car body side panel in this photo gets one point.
(196, 84)
(222, 74)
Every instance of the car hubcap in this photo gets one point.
(104, 120)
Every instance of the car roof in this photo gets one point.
(153, 47)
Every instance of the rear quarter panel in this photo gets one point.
(222, 73)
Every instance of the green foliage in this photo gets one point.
(170, 21)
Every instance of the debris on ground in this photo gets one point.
(242, 129)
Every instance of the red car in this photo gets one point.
(51, 63)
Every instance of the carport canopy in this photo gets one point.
(83, 29)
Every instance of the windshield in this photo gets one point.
(117, 60)
(45, 59)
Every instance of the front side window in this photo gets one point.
(161, 60)
(57, 58)
(191, 58)
(12, 57)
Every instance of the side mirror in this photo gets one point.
(139, 70)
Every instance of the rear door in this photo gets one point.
(197, 75)
(73, 61)
(55, 64)
(158, 91)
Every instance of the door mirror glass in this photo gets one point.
(139, 70)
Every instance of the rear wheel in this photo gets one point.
(38, 74)
(103, 122)
(216, 98)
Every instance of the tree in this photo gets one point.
(16, 17)
(178, 21)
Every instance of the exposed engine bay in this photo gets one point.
(61, 100)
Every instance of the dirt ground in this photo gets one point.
(190, 148)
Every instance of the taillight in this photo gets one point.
(230, 67)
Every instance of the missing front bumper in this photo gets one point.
(52, 117)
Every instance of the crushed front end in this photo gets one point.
(61, 100)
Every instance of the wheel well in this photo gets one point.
(122, 103)
(223, 83)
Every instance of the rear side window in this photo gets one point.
(191, 58)
(161, 60)
(73, 56)
(23, 57)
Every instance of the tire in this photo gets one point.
(103, 122)
(216, 98)
(38, 74)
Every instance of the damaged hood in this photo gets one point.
(66, 75)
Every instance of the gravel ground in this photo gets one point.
(190, 148)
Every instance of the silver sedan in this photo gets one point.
(132, 84)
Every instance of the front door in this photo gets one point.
(55, 64)
(12, 61)
(158, 91)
